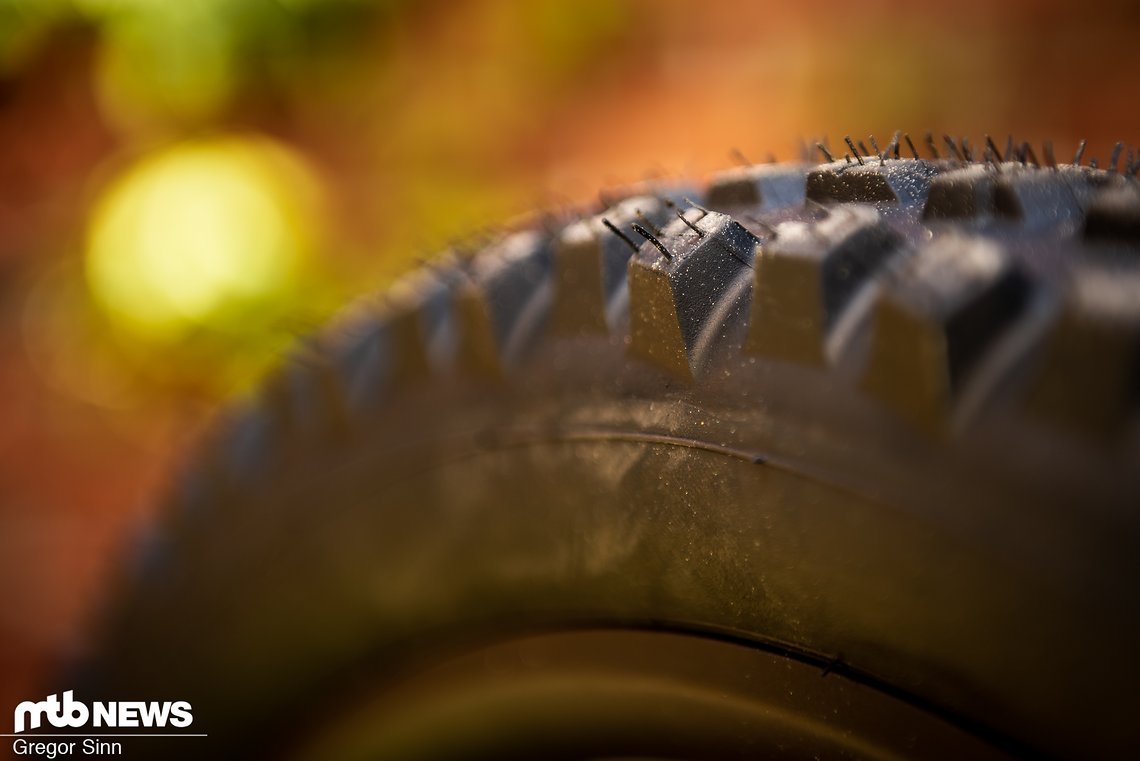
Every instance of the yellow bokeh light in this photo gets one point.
(204, 234)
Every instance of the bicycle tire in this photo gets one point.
(875, 415)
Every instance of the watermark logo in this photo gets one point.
(74, 714)
(156, 719)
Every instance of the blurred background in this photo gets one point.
(187, 186)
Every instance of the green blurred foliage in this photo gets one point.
(23, 26)
(411, 114)
(181, 64)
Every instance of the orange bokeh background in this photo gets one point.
(421, 122)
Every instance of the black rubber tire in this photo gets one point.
(877, 414)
